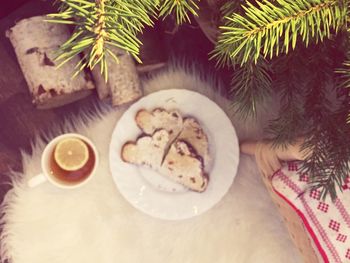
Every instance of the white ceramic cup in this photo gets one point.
(47, 176)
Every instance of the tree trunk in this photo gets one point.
(36, 42)
(123, 84)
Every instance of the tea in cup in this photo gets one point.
(68, 161)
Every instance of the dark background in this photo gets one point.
(9, 6)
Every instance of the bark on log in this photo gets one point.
(36, 42)
(123, 84)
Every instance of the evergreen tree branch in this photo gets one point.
(181, 8)
(251, 84)
(231, 6)
(316, 165)
(286, 128)
(343, 81)
(328, 165)
(100, 25)
(289, 82)
(327, 132)
(274, 28)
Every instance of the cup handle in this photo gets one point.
(36, 180)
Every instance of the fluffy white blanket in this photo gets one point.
(96, 224)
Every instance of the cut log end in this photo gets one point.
(35, 42)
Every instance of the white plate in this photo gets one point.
(153, 193)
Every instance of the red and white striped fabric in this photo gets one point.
(328, 222)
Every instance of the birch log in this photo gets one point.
(35, 42)
(123, 84)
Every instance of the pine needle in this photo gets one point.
(272, 28)
(181, 8)
(250, 85)
(102, 24)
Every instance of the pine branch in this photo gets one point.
(343, 80)
(305, 80)
(274, 28)
(291, 79)
(102, 24)
(231, 6)
(181, 8)
(99, 25)
(328, 165)
(317, 141)
(250, 85)
(286, 128)
(327, 132)
(223, 57)
(294, 75)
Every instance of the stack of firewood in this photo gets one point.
(36, 42)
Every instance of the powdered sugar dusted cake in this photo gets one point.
(184, 166)
(193, 133)
(176, 147)
(159, 118)
(147, 150)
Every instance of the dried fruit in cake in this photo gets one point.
(147, 150)
(176, 147)
(159, 118)
(188, 129)
(193, 133)
(183, 165)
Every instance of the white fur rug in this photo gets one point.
(96, 224)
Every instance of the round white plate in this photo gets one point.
(153, 193)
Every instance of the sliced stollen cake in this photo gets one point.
(193, 133)
(183, 165)
(188, 129)
(160, 118)
(176, 147)
(147, 150)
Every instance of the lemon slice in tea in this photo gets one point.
(71, 154)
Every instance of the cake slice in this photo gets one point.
(160, 118)
(174, 146)
(193, 133)
(184, 166)
(148, 150)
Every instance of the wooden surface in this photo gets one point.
(20, 121)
